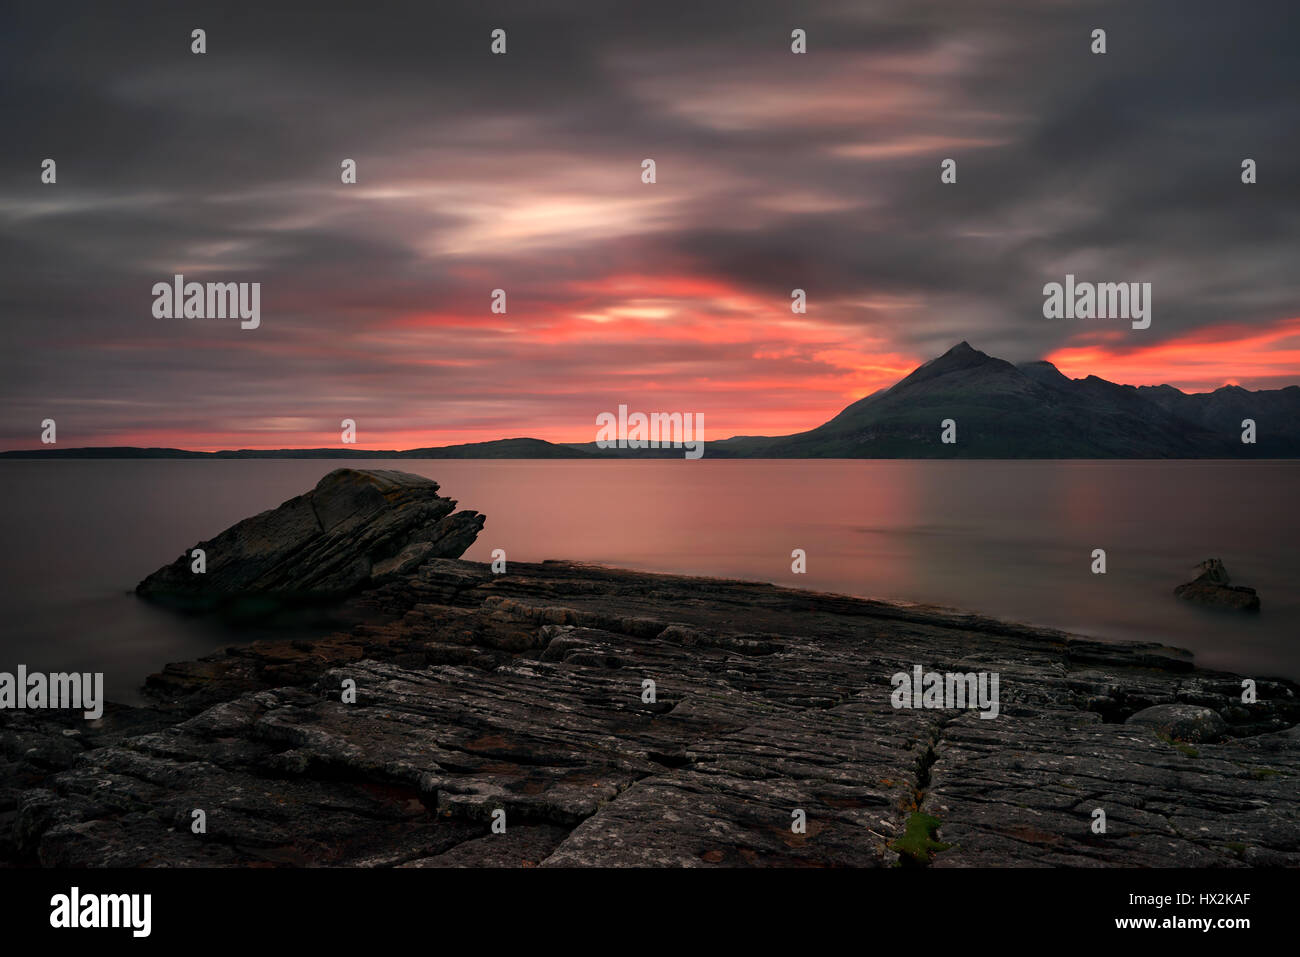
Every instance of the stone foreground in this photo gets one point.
(356, 528)
(524, 692)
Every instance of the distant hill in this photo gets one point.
(497, 449)
(1001, 410)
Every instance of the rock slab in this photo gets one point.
(525, 693)
(356, 528)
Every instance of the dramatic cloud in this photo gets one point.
(775, 171)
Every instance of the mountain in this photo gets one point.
(1224, 408)
(1031, 410)
(1001, 410)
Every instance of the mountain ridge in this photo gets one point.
(999, 409)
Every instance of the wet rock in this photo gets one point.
(1212, 588)
(355, 528)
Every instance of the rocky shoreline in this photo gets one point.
(525, 692)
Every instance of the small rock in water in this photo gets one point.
(1212, 588)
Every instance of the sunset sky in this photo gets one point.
(523, 172)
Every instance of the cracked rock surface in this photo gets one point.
(526, 693)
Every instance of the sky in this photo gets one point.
(523, 172)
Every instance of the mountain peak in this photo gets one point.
(962, 360)
(960, 356)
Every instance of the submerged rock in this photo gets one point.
(1212, 588)
(357, 527)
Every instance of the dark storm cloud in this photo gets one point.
(775, 171)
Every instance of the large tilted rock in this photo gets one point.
(357, 527)
(1213, 588)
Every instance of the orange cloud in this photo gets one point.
(1201, 361)
(662, 342)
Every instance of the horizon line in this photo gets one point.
(572, 444)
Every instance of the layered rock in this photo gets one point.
(355, 528)
(526, 693)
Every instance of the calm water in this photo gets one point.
(1008, 539)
